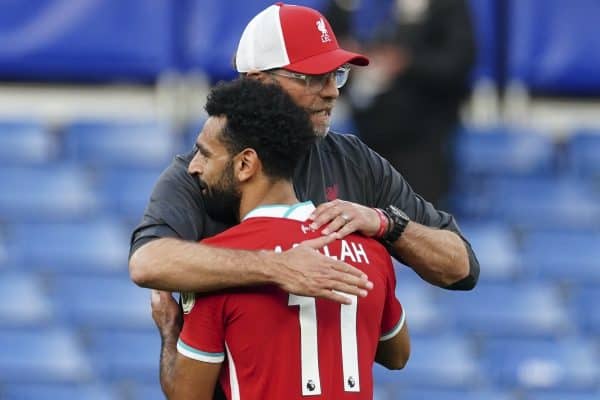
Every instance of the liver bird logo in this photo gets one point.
(323, 29)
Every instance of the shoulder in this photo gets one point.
(350, 147)
(261, 233)
(335, 141)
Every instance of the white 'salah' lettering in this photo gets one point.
(349, 251)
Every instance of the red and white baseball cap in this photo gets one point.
(293, 37)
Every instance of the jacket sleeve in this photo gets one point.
(389, 187)
(175, 208)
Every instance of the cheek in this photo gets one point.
(301, 98)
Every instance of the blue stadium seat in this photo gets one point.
(565, 255)
(582, 152)
(107, 143)
(445, 362)
(41, 356)
(53, 40)
(553, 47)
(120, 355)
(132, 390)
(23, 301)
(485, 22)
(3, 253)
(584, 305)
(565, 364)
(509, 309)
(563, 395)
(57, 392)
(212, 29)
(49, 193)
(422, 313)
(503, 151)
(25, 143)
(422, 394)
(541, 202)
(126, 192)
(96, 245)
(101, 302)
(496, 249)
(190, 133)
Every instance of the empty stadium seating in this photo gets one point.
(583, 150)
(26, 143)
(73, 326)
(105, 144)
(122, 355)
(97, 245)
(49, 355)
(552, 46)
(583, 305)
(45, 193)
(507, 309)
(504, 151)
(565, 255)
(565, 364)
(56, 391)
(485, 21)
(94, 302)
(443, 361)
(496, 247)
(23, 301)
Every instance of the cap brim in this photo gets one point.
(327, 62)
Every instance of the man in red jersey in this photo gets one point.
(277, 345)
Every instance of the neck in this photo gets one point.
(266, 193)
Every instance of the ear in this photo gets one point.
(247, 164)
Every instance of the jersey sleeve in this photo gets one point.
(390, 188)
(174, 209)
(202, 337)
(393, 312)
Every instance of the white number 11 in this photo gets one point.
(309, 349)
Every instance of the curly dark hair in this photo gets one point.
(262, 116)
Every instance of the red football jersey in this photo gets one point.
(282, 346)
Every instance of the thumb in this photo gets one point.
(157, 296)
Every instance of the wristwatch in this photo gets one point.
(398, 221)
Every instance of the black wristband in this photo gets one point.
(398, 222)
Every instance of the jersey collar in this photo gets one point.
(298, 211)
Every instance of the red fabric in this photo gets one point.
(262, 331)
(310, 42)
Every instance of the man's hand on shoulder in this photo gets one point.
(344, 217)
(304, 271)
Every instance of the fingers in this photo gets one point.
(319, 242)
(328, 212)
(334, 296)
(344, 231)
(159, 297)
(343, 218)
(348, 270)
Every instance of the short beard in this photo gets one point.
(321, 133)
(222, 201)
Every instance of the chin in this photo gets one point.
(321, 131)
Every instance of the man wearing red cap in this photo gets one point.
(357, 191)
(262, 342)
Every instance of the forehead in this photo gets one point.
(210, 136)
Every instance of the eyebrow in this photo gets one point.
(203, 150)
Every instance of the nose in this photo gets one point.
(195, 167)
(330, 90)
